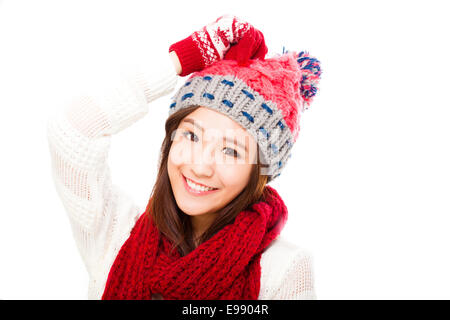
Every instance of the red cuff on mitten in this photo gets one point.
(189, 55)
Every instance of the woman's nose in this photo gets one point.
(204, 154)
(204, 160)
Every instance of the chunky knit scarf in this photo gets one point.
(227, 266)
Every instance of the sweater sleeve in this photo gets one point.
(298, 280)
(79, 136)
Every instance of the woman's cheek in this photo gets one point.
(233, 175)
(180, 153)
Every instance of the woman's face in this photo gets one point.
(209, 149)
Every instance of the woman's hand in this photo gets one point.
(228, 37)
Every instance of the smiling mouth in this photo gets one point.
(197, 189)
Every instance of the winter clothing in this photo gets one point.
(226, 267)
(244, 260)
(102, 215)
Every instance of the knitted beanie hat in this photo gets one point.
(264, 96)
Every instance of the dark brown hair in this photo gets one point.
(174, 224)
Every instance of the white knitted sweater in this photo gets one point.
(102, 215)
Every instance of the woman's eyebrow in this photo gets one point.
(231, 140)
(193, 122)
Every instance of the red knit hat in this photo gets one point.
(265, 96)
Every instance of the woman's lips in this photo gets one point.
(196, 192)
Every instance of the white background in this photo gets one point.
(368, 183)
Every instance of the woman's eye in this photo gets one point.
(233, 152)
(189, 135)
(193, 138)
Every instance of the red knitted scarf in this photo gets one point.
(227, 266)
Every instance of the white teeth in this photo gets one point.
(196, 186)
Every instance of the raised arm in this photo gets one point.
(79, 139)
(102, 215)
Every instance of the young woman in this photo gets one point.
(210, 229)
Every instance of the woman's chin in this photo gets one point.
(194, 210)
